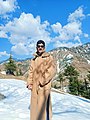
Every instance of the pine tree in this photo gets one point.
(88, 85)
(88, 76)
(70, 71)
(10, 66)
(72, 75)
(74, 85)
(61, 79)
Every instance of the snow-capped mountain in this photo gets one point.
(78, 56)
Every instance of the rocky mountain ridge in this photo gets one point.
(78, 56)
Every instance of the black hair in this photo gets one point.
(40, 41)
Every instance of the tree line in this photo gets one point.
(75, 85)
(70, 74)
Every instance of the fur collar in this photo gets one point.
(45, 54)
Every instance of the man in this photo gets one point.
(42, 70)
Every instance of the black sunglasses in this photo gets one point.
(40, 46)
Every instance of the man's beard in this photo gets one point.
(40, 53)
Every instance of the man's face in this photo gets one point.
(40, 48)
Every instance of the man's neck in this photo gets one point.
(39, 54)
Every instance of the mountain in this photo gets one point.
(17, 103)
(78, 56)
(83, 51)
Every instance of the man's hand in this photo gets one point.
(29, 87)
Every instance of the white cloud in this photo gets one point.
(23, 32)
(20, 49)
(77, 15)
(86, 35)
(7, 6)
(71, 31)
(4, 54)
(73, 28)
(57, 28)
(68, 32)
(77, 38)
(26, 30)
(88, 14)
(66, 44)
(3, 34)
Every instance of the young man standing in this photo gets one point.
(42, 70)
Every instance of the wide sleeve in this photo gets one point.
(30, 74)
(48, 72)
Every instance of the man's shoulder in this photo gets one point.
(46, 54)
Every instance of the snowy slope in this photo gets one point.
(16, 104)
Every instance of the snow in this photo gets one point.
(3, 72)
(88, 61)
(16, 104)
(69, 56)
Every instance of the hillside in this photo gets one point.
(79, 57)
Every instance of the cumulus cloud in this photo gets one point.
(20, 49)
(57, 28)
(71, 31)
(3, 34)
(4, 54)
(68, 31)
(66, 44)
(7, 6)
(23, 32)
(77, 15)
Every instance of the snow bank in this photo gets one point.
(16, 104)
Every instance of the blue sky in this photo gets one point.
(60, 23)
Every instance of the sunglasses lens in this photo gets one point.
(40, 46)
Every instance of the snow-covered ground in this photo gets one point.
(16, 104)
